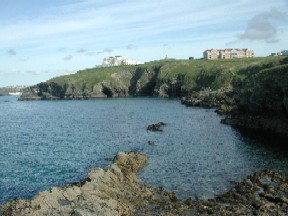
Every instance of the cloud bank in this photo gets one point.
(89, 30)
(264, 27)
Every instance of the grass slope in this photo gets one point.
(186, 75)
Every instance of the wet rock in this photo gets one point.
(156, 127)
(188, 201)
(112, 191)
(151, 142)
(173, 197)
(117, 190)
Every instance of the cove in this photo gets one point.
(49, 143)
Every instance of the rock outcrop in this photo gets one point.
(261, 102)
(258, 102)
(222, 99)
(113, 191)
(139, 81)
(118, 191)
(156, 127)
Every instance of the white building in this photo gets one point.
(282, 53)
(119, 60)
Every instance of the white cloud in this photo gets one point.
(91, 53)
(23, 59)
(61, 49)
(68, 57)
(125, 19)
(98, 27)
(264, 26)
(107, 50)
(11, 52)
(130, 46)
(81, 51)
(33, 72)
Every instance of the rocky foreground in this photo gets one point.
(118, 191)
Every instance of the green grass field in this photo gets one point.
(194, 74)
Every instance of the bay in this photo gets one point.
(50, 143)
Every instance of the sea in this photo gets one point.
(52, 143)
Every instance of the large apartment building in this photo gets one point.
(227, 53)
(119, 60)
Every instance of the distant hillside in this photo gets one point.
(172, 78)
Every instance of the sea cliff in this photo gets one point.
(257, 101)
(160, 78)
(251, 92)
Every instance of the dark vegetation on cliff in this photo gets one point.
(261, 98)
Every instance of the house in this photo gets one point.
(118, 60)
(227, 53)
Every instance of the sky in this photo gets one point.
(43, 39)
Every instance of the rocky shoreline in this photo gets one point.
(253, 96)
(222, 99)
(257, 103)
(117, 190)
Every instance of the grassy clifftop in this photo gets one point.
(157, 78)
(253, 91)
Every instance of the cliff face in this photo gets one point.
(262, 101)
(257, 98)
(161, 78)
(139, 81)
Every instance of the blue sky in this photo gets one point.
(43, 39)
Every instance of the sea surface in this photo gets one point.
(50, 143)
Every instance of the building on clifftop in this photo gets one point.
(118, 60)
(227, 53)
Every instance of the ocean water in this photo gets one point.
(50, 143)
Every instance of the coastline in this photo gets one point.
(252, 93)
(117, 190)
(254, 103)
